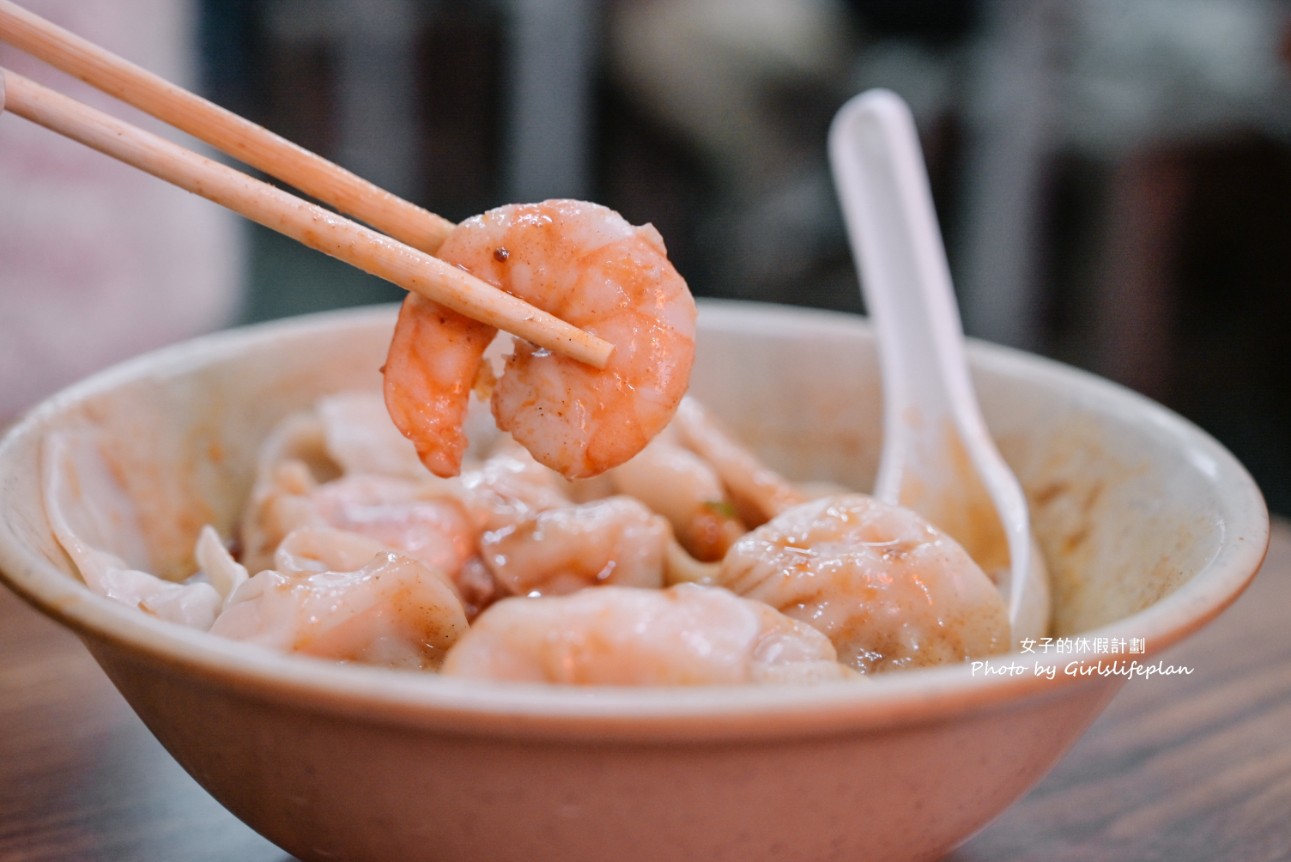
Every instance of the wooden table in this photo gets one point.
(1179, 768)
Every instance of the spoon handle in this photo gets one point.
(938, 456)
(884, 192)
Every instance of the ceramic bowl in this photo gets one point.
(1150, 529)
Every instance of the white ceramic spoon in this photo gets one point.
(938, 457)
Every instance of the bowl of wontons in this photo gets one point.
(1149, 529)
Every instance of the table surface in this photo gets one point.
(1186, 767)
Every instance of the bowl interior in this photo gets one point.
(1149, 527)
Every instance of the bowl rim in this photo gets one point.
(471, 707)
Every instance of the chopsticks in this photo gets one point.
(394, 248)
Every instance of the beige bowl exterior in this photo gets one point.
(1149, 526)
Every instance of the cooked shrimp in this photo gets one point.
(585, 264)
(888, 589)
(684, 635)
(341, 596)
(612, 541)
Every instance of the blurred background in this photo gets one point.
(1113, 177)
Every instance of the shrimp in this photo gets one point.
(342, 596)
(889, 589)
(585, 264)
(684, 635)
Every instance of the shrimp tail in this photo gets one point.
(434, 358)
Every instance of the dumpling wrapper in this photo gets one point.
(96, 523)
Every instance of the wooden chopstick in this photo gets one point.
(316, 227)
(226, 131)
